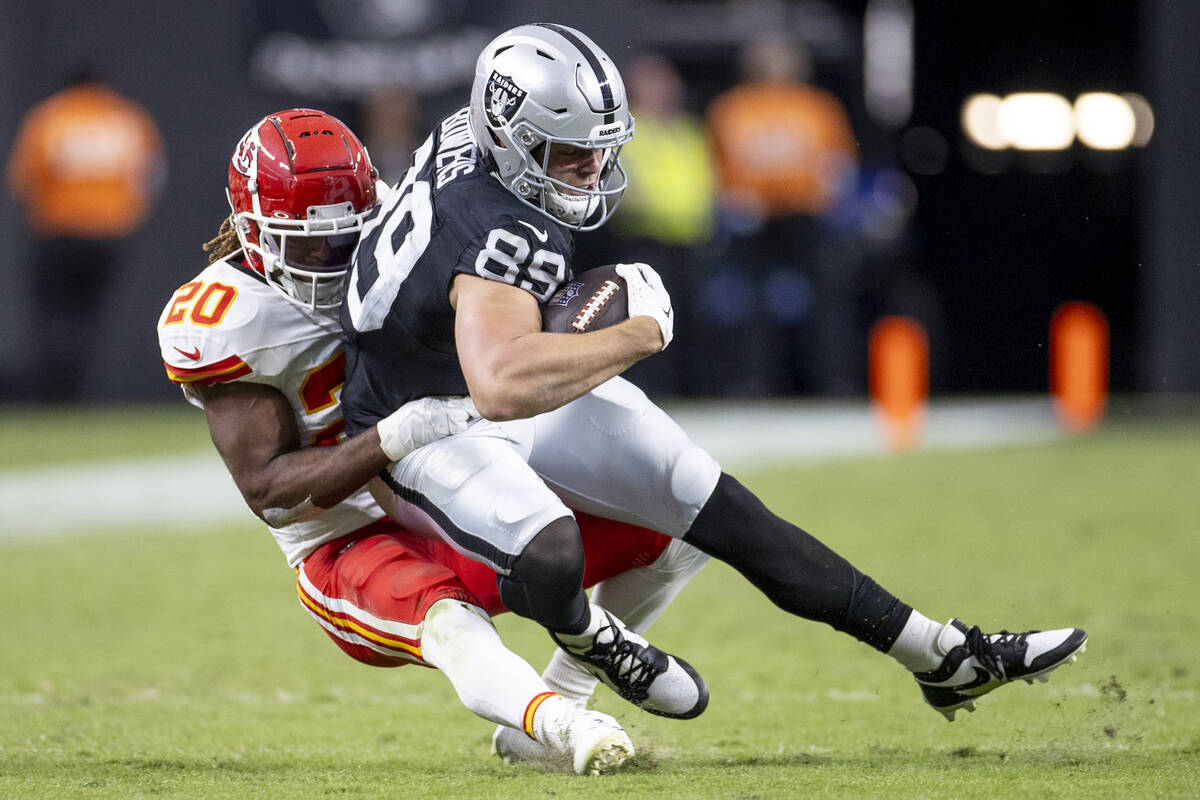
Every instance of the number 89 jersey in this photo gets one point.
(449, 215)
(228, 325)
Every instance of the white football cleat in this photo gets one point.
(598, 742)
(592, 743)
(513, 747)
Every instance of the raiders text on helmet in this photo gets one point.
(544, 84)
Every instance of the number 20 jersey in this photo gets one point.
(448, 215)
(228, 325)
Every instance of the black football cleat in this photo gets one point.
(641, 673)
(987, 661)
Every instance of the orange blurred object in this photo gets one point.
(899, 378)
(1079, 365)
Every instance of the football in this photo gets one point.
(593, 300)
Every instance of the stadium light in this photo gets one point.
(980, 115)
(1104, 121)
(1048, 121)
(1036, 121)
(1143, 116)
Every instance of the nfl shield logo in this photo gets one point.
(565, 294)
(501, 99)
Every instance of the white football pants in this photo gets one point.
(611, 453)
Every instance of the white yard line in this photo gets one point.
(174, 493)
(170, 492)
(752, 435)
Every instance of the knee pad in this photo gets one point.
(546, 582)
(693, 480)
(553, 556)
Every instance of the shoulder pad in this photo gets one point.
(205, 325)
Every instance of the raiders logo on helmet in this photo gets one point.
(502, 99)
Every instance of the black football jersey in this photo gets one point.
(448, 215)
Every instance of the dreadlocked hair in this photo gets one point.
(224, 243)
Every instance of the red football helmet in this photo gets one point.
(300, 183)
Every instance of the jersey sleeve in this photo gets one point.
(205, 332)
(223, 370)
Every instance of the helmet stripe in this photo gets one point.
(594, 62)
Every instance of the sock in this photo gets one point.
(565, 676)
(490, 680)
(546, 720)
(793, 569)
(923, 643)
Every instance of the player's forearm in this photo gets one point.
(300, 484)
(539, 372)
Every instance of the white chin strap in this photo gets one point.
(314, 292)
(572, 209)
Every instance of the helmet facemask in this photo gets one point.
(577, 207)
(305, 259)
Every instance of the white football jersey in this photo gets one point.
(228, 325)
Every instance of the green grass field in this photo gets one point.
(141, 664)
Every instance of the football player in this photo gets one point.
(254, 340)
(449, 277)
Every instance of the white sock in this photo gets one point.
(491, 680)
(918, 647)
(566, 676)
(550, 719)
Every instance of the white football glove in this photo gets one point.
(419, 422)
(648, 297)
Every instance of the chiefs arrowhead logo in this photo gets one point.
(245, 156)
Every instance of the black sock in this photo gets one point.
(793, 569)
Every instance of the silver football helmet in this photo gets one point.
(544, 84)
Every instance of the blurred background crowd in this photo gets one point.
(800, 170)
